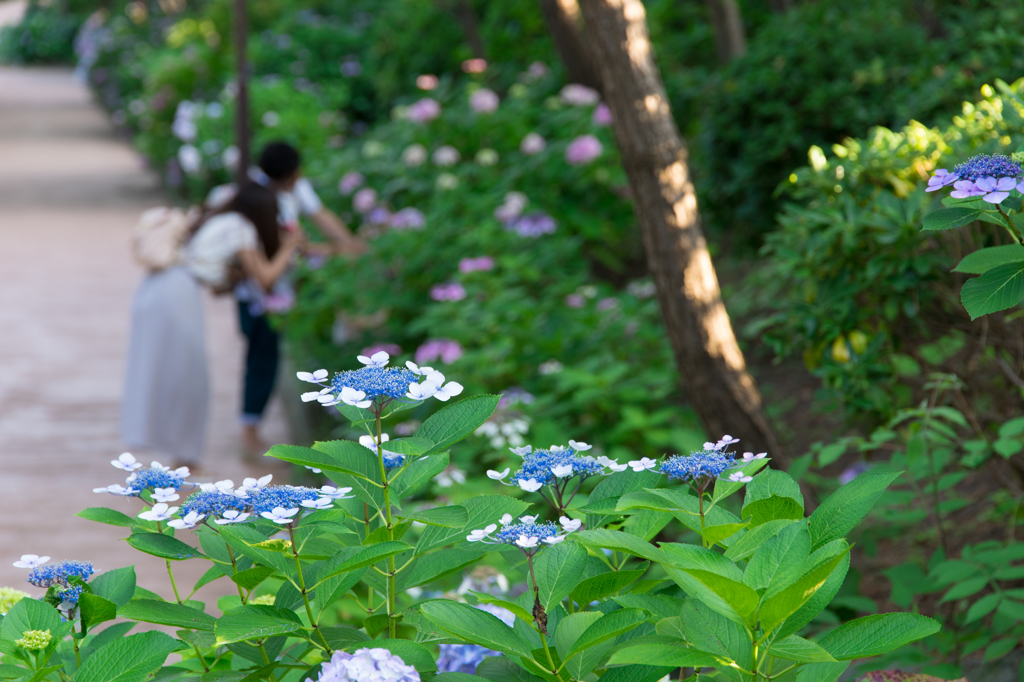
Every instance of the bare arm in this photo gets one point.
(341, 237)
(268, 271)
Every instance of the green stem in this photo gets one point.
(700, 497)
(74, 643)
(551, 661)
(389, 524)
(1010, 226)
(305, 594)
(266, 660)
(234, 571)
(174, 586)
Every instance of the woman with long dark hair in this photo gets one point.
(167, 390)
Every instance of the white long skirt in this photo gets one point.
(167, 388)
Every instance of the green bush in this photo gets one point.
(44, 36)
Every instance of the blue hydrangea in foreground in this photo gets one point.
(367, 665)
(58, 575)
(555, 467)
(376, 385)
(527, 535)
(701, 467)
(987, 166)
(376, 382)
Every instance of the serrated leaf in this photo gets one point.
(663, 654)
(436, 565)
(163, 546)
(167, 613)
(845, 508)
(658, 605)
(949, 218)
(365, 481)
(983, 260)
(475, 626)
(701, 558)
(501, 669)
(416, 445)
(709, 631)
(95, 610)
(608, 626)
(877, 634)
(482, 510)
(801, 650)
(779, 561)
(559, 569)
(448, 517)
(999, 288)
(618, 541)
(569, 630)
(774, 508)
(116, 585)
(373, 554)
(778, 606)
(130, 659)
(748, 543)
(418, 474)
(340, 637)
(724, 487)
(339, 456)
(254, 622)
(108, 516)
(411, 653)
(604, 584)
(769, 483)
(514, 608)
(454, 422)
(250, 578)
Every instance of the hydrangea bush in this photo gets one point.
(601, 600)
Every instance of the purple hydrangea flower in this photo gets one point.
(424, 110)
(987, 166)
(575, 300)
(484, 101)
(350, 182)
(445, 350)
(940, 179)
(408, 218)
(995, 190)
(962, 189)
(578, 95)
(367, 665)
(602, 116)
(448, 292)
(583, 150)
(532, 225)
(364, 200)
(379, 216)
(482, 263)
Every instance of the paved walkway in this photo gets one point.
(70, 193)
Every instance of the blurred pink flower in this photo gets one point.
(484, 101)
(482, 263)
(532, 144)
(426, 81)
(575, 300)
(423, 110)
(391, 349)
(607, 304)
(537, 70)
(364, 200)
(350, 182)
(448, 292)
(602, 116)
(446, 155)
(578, 95)
(515, 203)
(583, 150)
(445, 350)
(379, 216)
(408, 218)
(474, 65)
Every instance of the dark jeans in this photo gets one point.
(261, 360)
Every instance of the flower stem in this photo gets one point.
(234, 571)
(1010, 226)
(174, 586)
(305, 593)
(389, 524)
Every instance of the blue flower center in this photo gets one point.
(987, 165)
(510, 533)
(537, 465)
(697, 465)
(376, 382)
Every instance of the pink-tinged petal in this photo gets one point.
(1006, 184)
(986, 184)
(995, 197)
(959, 194)
(963, 185)
(950, 179)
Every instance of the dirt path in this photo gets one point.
(70, 193)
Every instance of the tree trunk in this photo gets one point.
(727, 22)
(563, 20)
(471, 28)
(709, 359)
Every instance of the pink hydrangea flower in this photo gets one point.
(537, 70)
(607, 304)
(583, 150)
(424, 110)
(575, 300)
(578, 95)
(483, 263)
(484, 101)
(602, 116)
(445, 350)
(446, 155)
(532, 144)
(364, 200)
(408, 218)
(350, 182)
(448, 292)
(474, 65)
(426, 81)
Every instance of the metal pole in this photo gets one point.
(242, 99)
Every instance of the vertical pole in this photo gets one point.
(242, 99)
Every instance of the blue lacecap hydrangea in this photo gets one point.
(697, 465)
(49, 575)
(376, 382)
(987, 166)
(154, 478)
(392, 460)
(537, 465)
(462, 658)
(212, 503)
(510, 533)
(287, 496)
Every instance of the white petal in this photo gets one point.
(506, 519)
(554, 540)
(498, 475)
(580, 447)
(311, 396)
(491, 528)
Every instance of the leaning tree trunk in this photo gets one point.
(721, 390)
(727, 22)
(563, 20)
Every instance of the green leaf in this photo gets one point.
(475, 626)
(983, 607)
(772, 483)
(658, 605)
(255, 622)
(167, 613)
(364, 464)
(845, 508)
(454, 422)
(724, 487)
(559, 569)
(456, 677)
(965, 589)
(28, 614)
(482, 510)
(741, 599)
(95, 610)
(773, 508)
(701, 558)
(779, 562)
(748, 542)
(501, 669)
(436, 565)
(663, 654)
(709, 631)
(339, 456)
(636, 673)
(604, 584)
(340, 637)
(418, 474)
(983, 260)
(516, 609)
(780, 605)
(801, 650)
(334, 587)
(817, 603)
(877, 634)
(1000, 288)
(250, 578)
(411, 653)
(373, 554)
(607, 626)
(713, 535)
(448, 517)
(163, 546)
(116, 585)
(949, 218)
(569, 630)
(130, 659)
(618, 541)
(108, 516)
(417, 445)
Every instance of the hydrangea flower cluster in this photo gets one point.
(9, 597)
(366, 665)
(989, 176)
(392, 460)
(701, 467)
(161, 480)
(555, 466)
(57, 575)
(253, 500)
(34, 640)
(376, 384)
(464, 658)
(528, 535)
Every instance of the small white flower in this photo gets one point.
(554, 539)
(480, 533)
(522, 451)
(750, 456)
(126, 461)
(709, 445)
(570, 525)
(191, 520)
(335, 493)
(529, 519)
(562, 471)
(31, 561)
(310, 396)
(421, 391)
(165, 494)
(355, 398)
(738, 477)
(371, 442)
(159, 512)
(417, 370)
(378, 359)
(227, 486)
(314, 470)
(328, 399)
(556, 449)
(498, 475)
(726, 441)
(318, 503)
(280, 514)
(254, 484)
(531, 485)
(643, 464)
(612, 464)
(182, 472)
(449, 390)
(526, 542)
(579, 447)
(232, 516)
(158, 466)
(312, 377)
(116, 489)
(505, 520)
